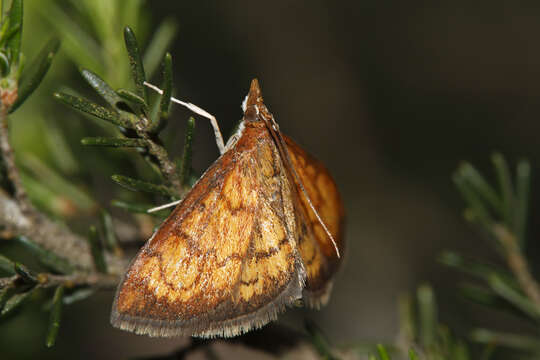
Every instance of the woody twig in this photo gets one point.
(9, 161)
(48, 280)
(52, 236)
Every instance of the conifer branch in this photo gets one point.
(52, 236)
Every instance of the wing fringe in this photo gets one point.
(210, 329)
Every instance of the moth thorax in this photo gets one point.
(252, 114)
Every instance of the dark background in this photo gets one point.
(391, 96)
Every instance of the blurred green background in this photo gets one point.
(391, 96)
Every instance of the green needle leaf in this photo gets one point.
(55, 186)
(479, 270)
(108, 230)
(427, 311)
(477, 206)
(56, 314)
(102, 88)
(113, 142)
(412, 355)
(407, 320)
(36, 72)
(5, 294)
(93, 109)
(158, 44)
(15, 301)
(523, 186)
(78, 295)
(4, 37)
(139, 185)
(14, 31)
(130, 96)
(8, 33)
(477, 181)
(459, 351)
(480, 295)
(318, 340)
(4, 64)
(166, 86)
(382, 352)
(26, 275)
(7, 265)
(46, 257)
(506, 339)
(499, 286)
(506, 188)
(187, 155)
(160, 113)
(79, 45)
(488, 298)
(97, 250)
(135, 60)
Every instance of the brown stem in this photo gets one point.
(46, 280)
(96, 280)
(7, 281)
(517, 263)
(167, 167)
(9, 160)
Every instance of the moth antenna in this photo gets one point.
(275, 128)
(199, 111)
(164, 206)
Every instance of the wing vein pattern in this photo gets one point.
(226, 260)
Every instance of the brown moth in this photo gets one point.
(261, 229)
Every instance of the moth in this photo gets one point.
(261, 229)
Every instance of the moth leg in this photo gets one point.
(164, 206)
(199, 111)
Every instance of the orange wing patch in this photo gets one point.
(243, 244)
(315, 247)
(225, 261)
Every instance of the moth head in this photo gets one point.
(253, 105)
